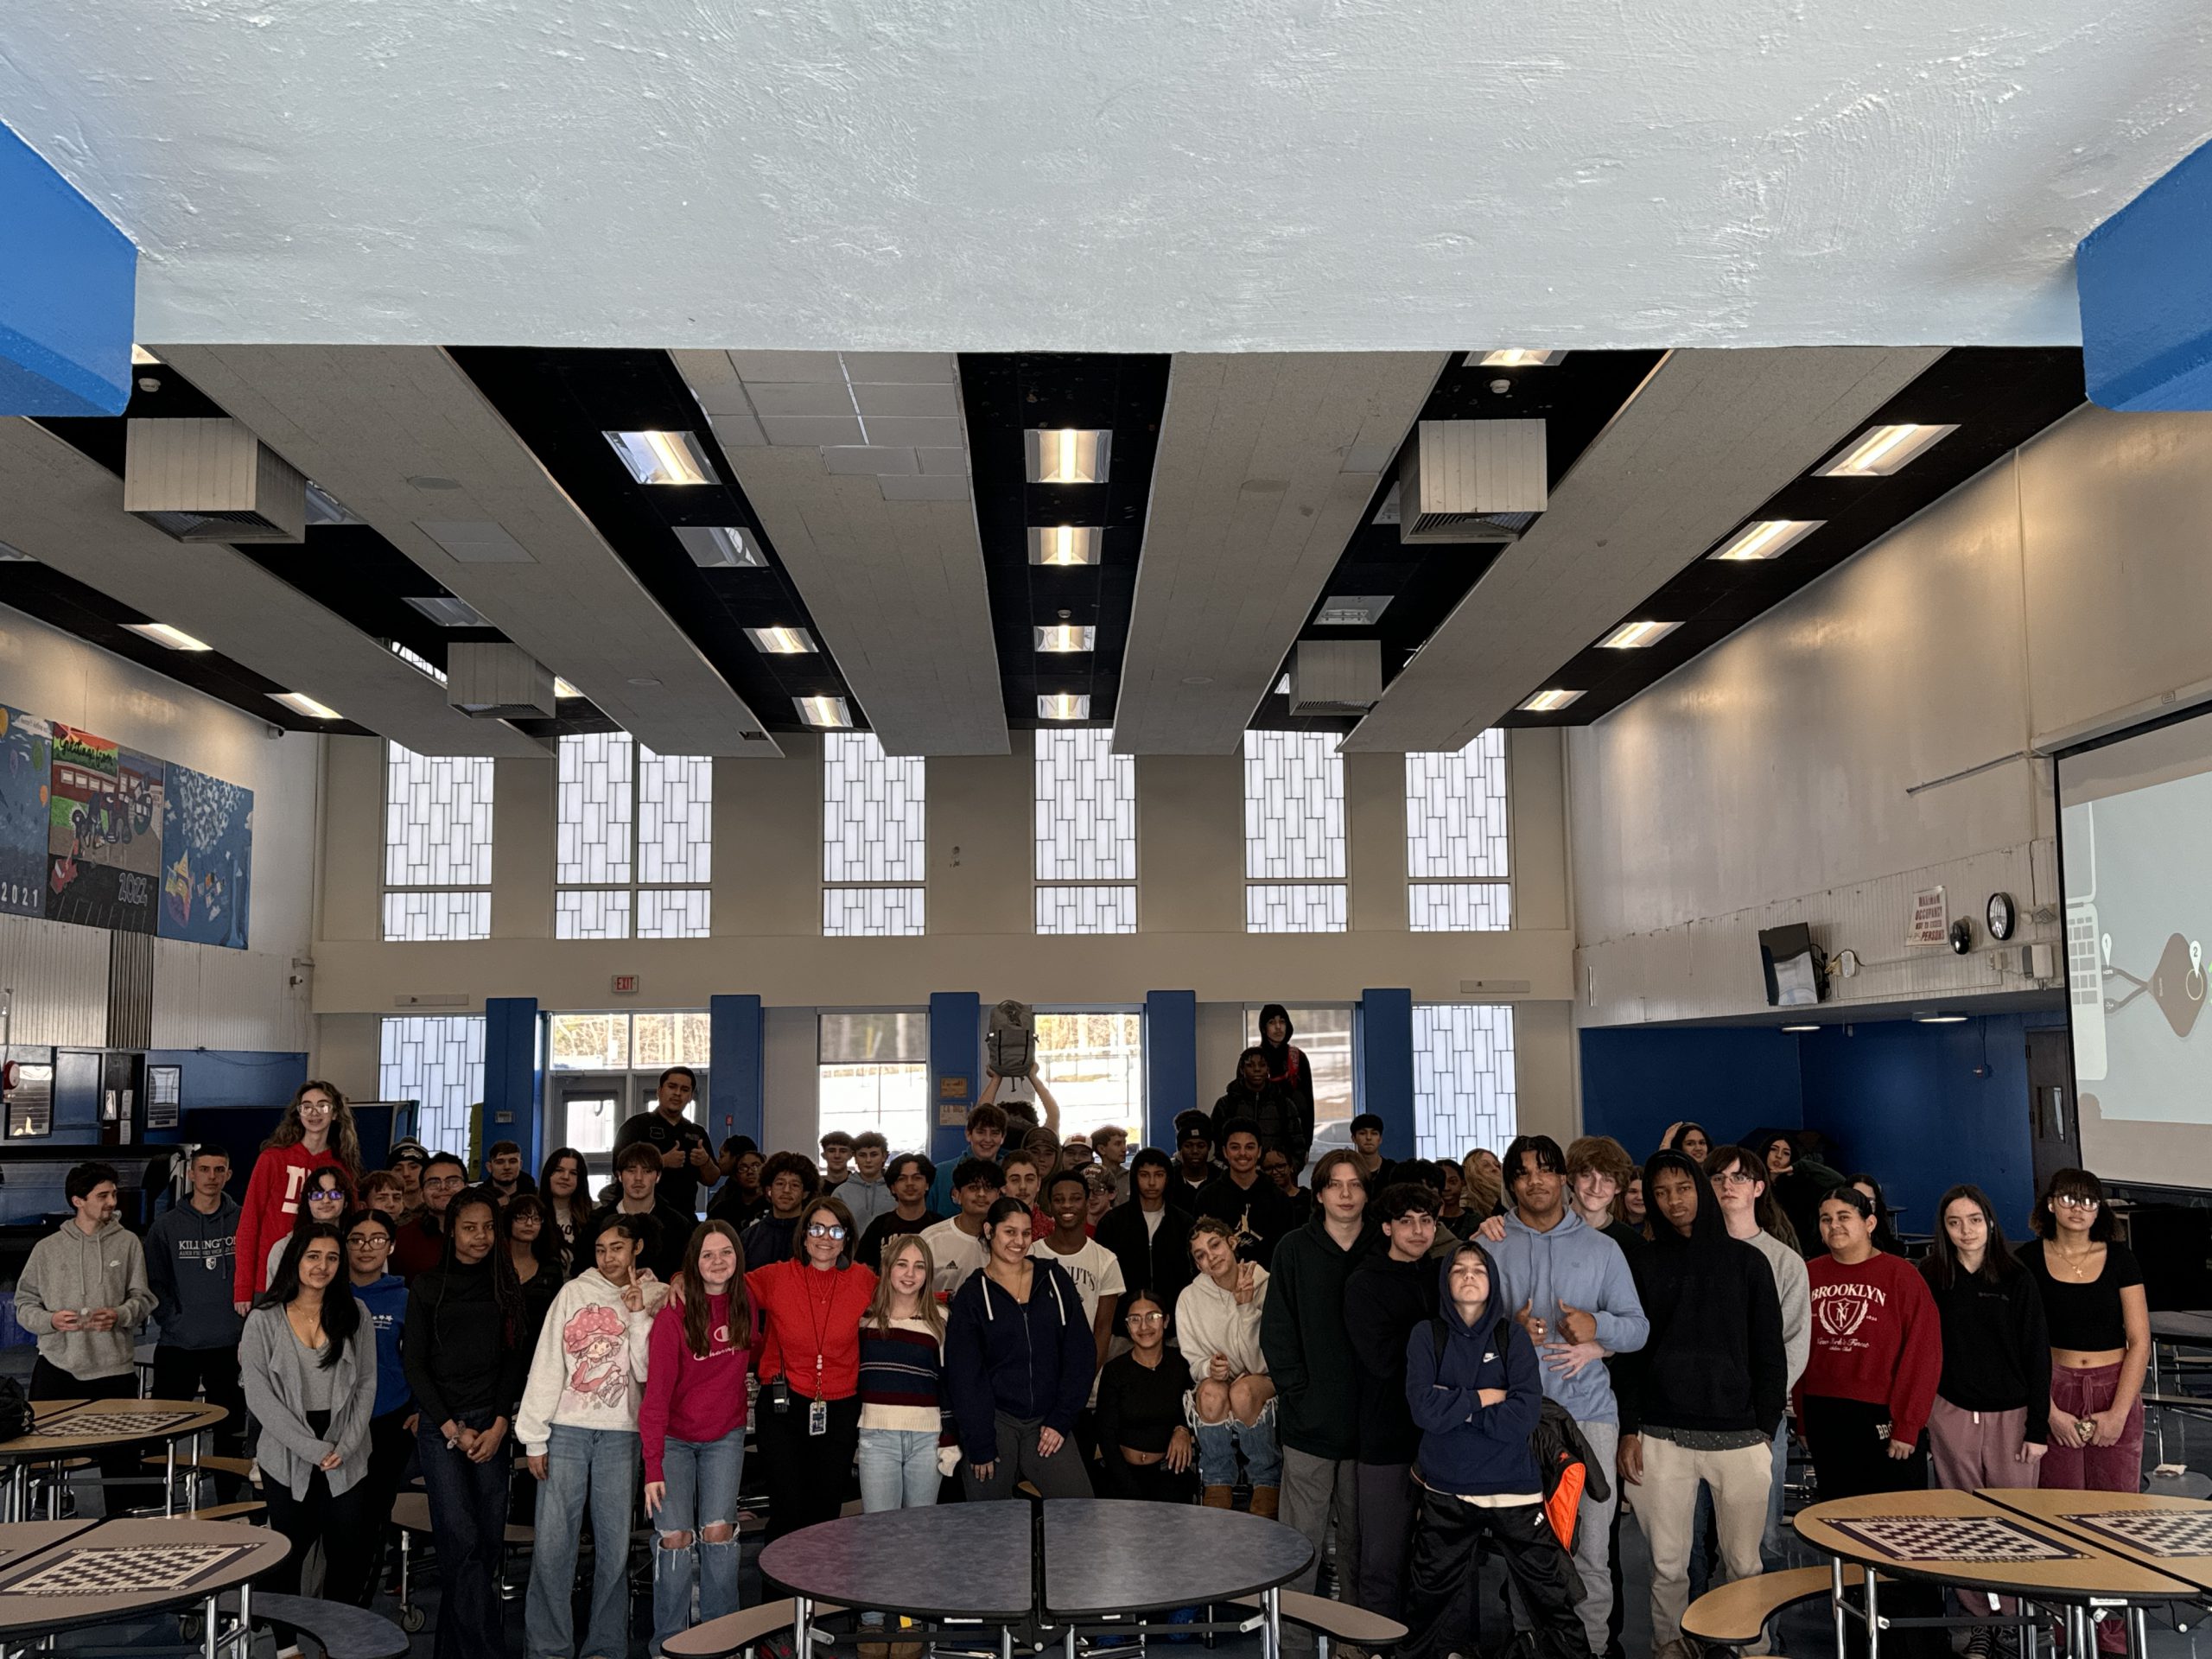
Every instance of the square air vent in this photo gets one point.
(1335, 677)
(211, 480)
(1472, 481)
(492, 680)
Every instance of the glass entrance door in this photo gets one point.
(588, 1109)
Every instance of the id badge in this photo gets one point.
(817, 1417)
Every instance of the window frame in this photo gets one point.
(916, 886)
(485, 783)
(1337, 885)
(1040, 843)
(1477, 888)
(636, 884)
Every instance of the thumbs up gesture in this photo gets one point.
(1529, 1322)
(1575, 1324)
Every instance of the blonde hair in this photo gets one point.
(878, 1317)
(1485, 1190)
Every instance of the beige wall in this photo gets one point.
(1810, 767)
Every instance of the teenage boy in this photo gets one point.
(82, 1294)
(865, 1193)
(1599, 1170)
(408, 1160)
(911, 1175)
(1244, 1197)
(666, 1231)
(986, 1136)
(1367, 1146)
(188, 1268)
(1309, 1355)
(502, 1172)
(1267, 1104)
(1390, 1294)
(956, 1245)
(1702, 1400)
(789, 1181)
(1150, 1236)
(836, 1160)
(1025, 1180)
(1111, 1142)
(687, 1159)
(1097, 1274)
(391, 1419)
(578, 1425)
(1194, 1159)
(422, 1241)
(1571, 1289)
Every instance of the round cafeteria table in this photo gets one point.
(57, 1575)
(1050, 1566)
(68, 1429)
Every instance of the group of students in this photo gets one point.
(1376, 1357)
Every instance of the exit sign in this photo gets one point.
(625, 984)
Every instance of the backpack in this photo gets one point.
(15, 1410)
(1011, 1045)
(1564, 1461)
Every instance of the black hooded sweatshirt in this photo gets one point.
(1285, 1127)
(1714, 1360)
(1385, 1301)
(1287, 1065)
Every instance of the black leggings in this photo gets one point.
(808, 1476)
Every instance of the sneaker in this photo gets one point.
(1979, 1642)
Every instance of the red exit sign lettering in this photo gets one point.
(625, 984)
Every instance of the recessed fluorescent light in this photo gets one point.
(1062, 544)
(717, 546)
(1064, 705)
(1550, 702)
(1068, 455)
(141, 358)
(830, 712)
(1801, 1027)
(1883, 450)
(446, 611)
(781, 642)
(300, 704)
(162, 634)
(1352, 610)
(1282, 686)
(663, 457)
(1519, 359)
(1765, 538)
(418, 662)
(563, 689)
(1634, 636)
(1068, 636)
(1940, 1019)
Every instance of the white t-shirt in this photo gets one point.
(1096, 1272)
(956, 1254)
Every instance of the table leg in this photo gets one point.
(1873, 1619)
(169, 1480)
(1271, 1625)
(2139, 1627)
(208, 1619)
(802, 1626)
(2155, 1389)
(1070, 1639)
(246, 1619)
(1836, 1600)
(1006, 1642)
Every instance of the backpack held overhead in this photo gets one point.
(1011, 1045)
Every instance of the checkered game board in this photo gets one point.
(118, 1570)
(1953, 1538)
(71, 1425)
(2167, 1533)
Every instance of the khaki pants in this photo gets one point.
(1666, 1508)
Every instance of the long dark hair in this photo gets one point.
(580, 1203)
(506, 1285)
(341, 1314)
(697, 1335)
(548, 1249)
(1886, 1235)
(1997, 1262)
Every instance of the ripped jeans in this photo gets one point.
(1218, 1444)
(702, 1479)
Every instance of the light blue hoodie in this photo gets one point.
(1576, 1264)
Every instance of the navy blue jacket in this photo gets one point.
(1030, 1360)
(1467, 1447)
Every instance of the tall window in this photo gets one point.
(1094, 1065)
(437, 846)
(873, 849)
(1293, 832)
(1463, 1078)
(1086, 835)
(636, 846)
(875, 1074)
(1456, 839)
(1324, 1035)
(437, 1059)
(642, 1044)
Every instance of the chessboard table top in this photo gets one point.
(2182, 1551)
(219, 1555)
(57, 1431)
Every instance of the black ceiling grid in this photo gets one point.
(1575, 398)
(562, 403)
(1997, 397)
(1003, 395)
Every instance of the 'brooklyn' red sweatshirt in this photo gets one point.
(1876, 1337)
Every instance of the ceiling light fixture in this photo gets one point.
(828, 713)
(1800, 1028)
(1068, 455)
(419, 662)
(1064, 705)
(781, 642)
(1550, 702)
(1883, 450)
(300, 704)
(162, 634)
(563, 689)
(141, 358)
(1939, 1018)
(1352, 610)
(1519, 359)
(1634, 636)
(1068, 636)
(719, 547)
(446, 611)
(1765, 538)
(1064, 544)
(663, 457)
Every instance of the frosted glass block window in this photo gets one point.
(1086, 807)
(1457, 852)
(437, 846)
(1293, 832)
(635, 829)
(437, 1059)
(874, 844)
(1464, 1094)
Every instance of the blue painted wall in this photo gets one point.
(1382, 1066)
(737, 1081)
(1171, 1063)
(955, 1068)
(1636, 1082)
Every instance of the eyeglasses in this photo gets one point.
(2073, 1202)
(441, 1181)
(1154, 1317)
(368, 1238)
(825, 1230)
(326, 1195)
(1735, 1177)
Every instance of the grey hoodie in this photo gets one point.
(188, 1263)
(70, 1273)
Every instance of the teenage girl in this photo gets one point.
(323, 1198)
(1145, 1448)
(316, 1129)
(564, 1183)
(902, 1383)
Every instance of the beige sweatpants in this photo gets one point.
(1666, 1508)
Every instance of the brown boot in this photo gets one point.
(1265, 1500)
(875, 1650)
(905, 1650)
(1216, 1498)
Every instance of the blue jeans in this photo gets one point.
(1218, 1443)
(898, 1468)
(702, 1479)
(468, 1524)
(597, 1467)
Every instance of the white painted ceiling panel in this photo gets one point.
(1266, 463)
(877, 533)
(1709, 436)
(361, 421)
(66, 512)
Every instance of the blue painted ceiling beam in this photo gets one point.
(2145, 280)
(67, 281)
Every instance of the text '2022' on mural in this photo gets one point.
(101, 836)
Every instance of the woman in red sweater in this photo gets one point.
(316, 1131)
(809, 1407)
(1878, 1352)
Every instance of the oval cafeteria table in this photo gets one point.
(57, 1575)
(65, 1428)
(1981, 1541)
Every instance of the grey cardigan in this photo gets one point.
(272, 1367)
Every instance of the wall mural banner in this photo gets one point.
(100, 836)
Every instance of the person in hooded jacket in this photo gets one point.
(1390, 1294)
(1472, 1387)
(1289, 1066)
(1150, 1236)
(1271, 1106)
